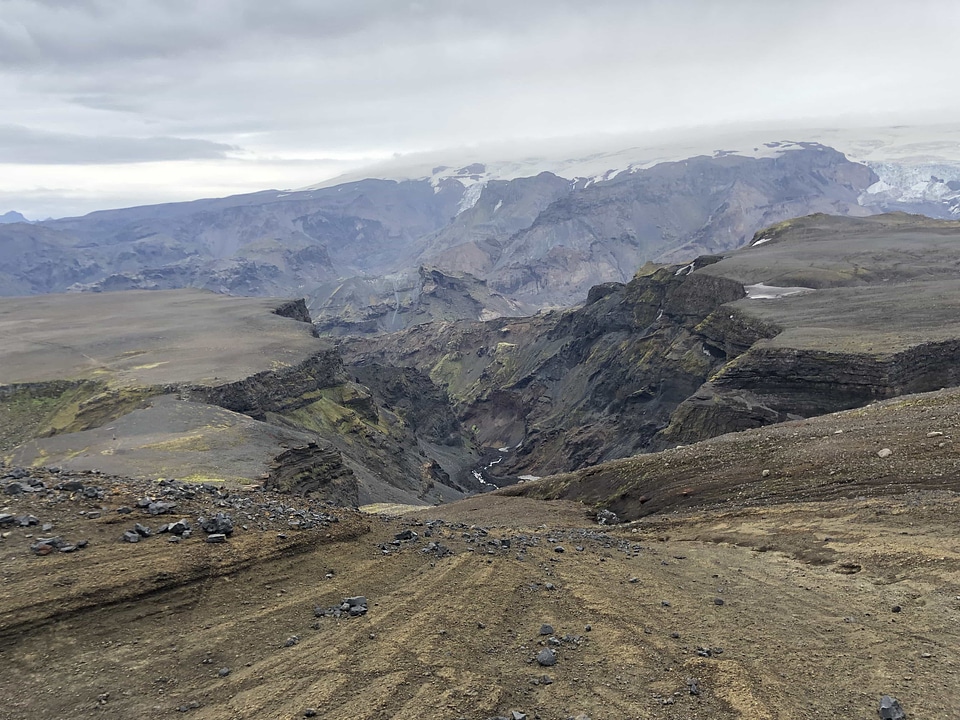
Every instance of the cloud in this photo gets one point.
(319, 78)
(20, 145)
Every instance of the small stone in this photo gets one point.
(765, 473)
(694, 686)
(516, 715)
(935, 433)
(547, 657)
(309, 712)
(481, 626)
(546, 629)
(549, 586)
(223, 672)
(633, 580)
(142, 530)
(216, 538)
(896, 609)
(890, 709)
(718, 601)
(885, 453)
(291, 641)
(559, 549)
(587, 628)
(130, 536)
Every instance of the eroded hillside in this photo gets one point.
(194, 385)
(819, 314)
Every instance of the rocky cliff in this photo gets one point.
(213, 389)
(686, 352)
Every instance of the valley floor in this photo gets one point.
(780, 611)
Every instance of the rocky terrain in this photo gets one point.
(363, 306)
(817, 315)
(798, 570)
(189, 384)
(541, 241)
(180, 476)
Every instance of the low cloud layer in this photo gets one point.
(103, 81)
(19, 145)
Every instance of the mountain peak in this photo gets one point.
(12, 217)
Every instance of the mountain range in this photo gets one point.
(360, 248)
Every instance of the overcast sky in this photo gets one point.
(106, 103)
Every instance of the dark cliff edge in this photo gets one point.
(292, 418)
(279, 390)
(686, 352)
(295, 310)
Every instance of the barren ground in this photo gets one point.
(807, 628)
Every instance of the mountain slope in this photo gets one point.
(819, 314)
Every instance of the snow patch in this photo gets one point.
(685, 270)
(529, 477)
(771, 292)
(470, 196)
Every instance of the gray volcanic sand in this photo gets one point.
(147, 337)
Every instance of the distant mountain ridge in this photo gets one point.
(12, 217)
(535, 241)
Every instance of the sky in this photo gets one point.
(112, 103)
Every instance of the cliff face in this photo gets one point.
(568, 389)
(686, 352)
(209, 388)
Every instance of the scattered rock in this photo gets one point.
(694, 686)
(160, 508)
(546, 629)
(291, 641)
(220, 524)
(216, 538)
(547, 657)
(606, 517)
(131, 536)
(223, 672)
(890, 709)
(309, 712)
(718, 601)
(885, 453)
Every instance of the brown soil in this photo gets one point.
(807, 626)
